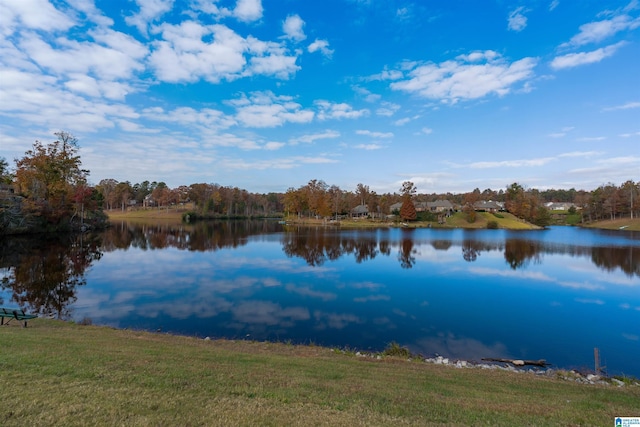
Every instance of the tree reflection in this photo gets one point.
(316, 246)
(627, 259)
(43, 276)
(471, 249)
(201, 236)
(519, 252)
(405, 255)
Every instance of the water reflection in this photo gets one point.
(44, 276)
(201, 236)
(486, 293)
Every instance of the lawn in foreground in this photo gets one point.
(57, 373)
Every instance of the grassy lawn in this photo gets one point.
(504, 220)
(151, 215)
(62, 374)
(616, 224)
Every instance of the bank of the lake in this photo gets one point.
(59, 373)
(503, 220)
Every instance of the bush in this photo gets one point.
(394, 349)
(497, 215)
(493, 225)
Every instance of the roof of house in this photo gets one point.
(440, 204)
(360, 209)
(484, 204)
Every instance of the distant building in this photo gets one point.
(560, 206)
(395, 207)
(360, 211)
(487, 206)
(440, 206)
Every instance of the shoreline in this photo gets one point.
(92, 375)
(509, 222)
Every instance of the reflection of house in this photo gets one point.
(487, 206)
(360, 211)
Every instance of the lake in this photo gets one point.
(552, 294)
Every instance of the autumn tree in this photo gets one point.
(5, 176)
(408, 209)
(48, 176)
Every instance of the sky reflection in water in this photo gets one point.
(553, 294)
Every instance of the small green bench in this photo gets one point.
(15, 313)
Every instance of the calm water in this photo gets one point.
(553, 294)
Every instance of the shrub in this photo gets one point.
(395, 349)
(493, 225)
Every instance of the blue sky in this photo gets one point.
(266, 95)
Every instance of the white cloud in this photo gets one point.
(248, 10)
(264, 109)
(512, 163)
(516, 20)
(117, 57)
(628, 135)
(627, 106)
(329, 110)
(472, 76)
(150, 10)
(292, 28)
(283, 163)
(387, 109)
(581, 154)
(368, 147)
(322, 46)
(426, 131)
(204, 119)
(308, 139)
(183, 56)
(554, 4)
(31, 14)
(375, 134)
(575, 59)
(591, 138)
(367, 94)
(595, 32)
(405, 120)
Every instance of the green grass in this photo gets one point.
(627, 223)
(62, 374)
(504, 220)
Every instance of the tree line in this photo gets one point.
(48, 189)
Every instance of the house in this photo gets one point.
(148, 201)
(360, 211)
(395, 207)
(487, 206)
(440, 206)
(560, 206)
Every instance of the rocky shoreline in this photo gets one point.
(563, 374)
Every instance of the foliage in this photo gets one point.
(319, 200)
(54, 186)
(542, 217)
(396, 350)
(493, 225)
(470, 213)
(5, 176)
(408, 209)
(426, 216)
